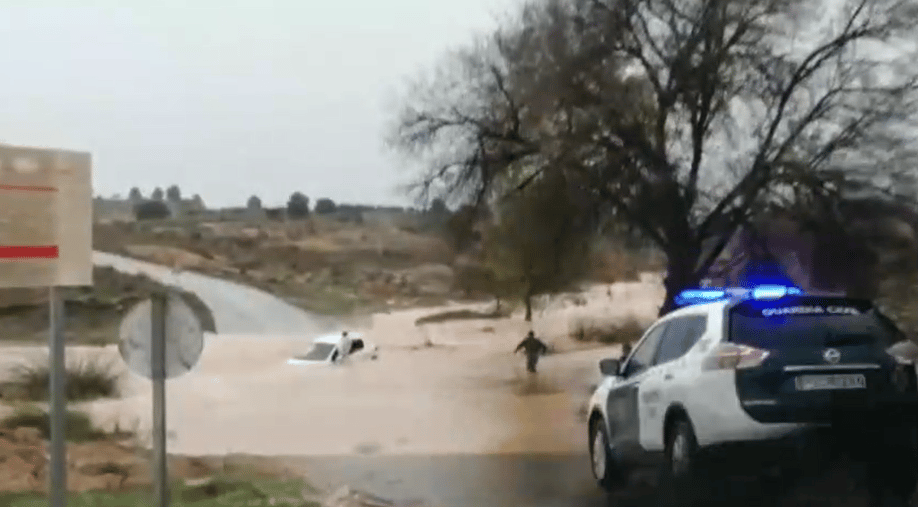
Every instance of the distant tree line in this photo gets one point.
(298, 206)
(156, 207)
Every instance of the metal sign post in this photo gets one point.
(161, 338)
(158, 370)
(57, 449)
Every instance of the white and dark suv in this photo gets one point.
(736, 368)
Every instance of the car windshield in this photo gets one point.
(318, 352)
(808, 324)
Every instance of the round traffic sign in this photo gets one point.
(184, 338)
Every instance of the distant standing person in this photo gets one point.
(344, 345)
(533, 347)
(626, 350)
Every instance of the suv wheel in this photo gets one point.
(602, 464)
(680, 470)
(680, 452)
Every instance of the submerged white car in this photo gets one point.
(326, 350)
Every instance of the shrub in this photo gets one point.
(325, 206)
(78, 425)
(152, 210)
(611, 265)
(628, 331)
(86, 380)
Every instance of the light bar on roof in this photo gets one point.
(699, 296)
(759, 292)
(773, 291)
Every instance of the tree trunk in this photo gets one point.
(680, 275)
(528, 302)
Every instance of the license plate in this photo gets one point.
(824, 382)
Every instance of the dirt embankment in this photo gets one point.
(318, 264)
(93, 313)
(111, 463)
(327, 266)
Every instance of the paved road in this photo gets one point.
(542, 481)
(463, 481)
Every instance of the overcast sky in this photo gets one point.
(225, 98)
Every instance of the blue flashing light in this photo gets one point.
(699, 296)
(773, 292)
(759, 292)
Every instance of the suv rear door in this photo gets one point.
(665, 383)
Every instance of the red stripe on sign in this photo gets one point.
(28, 252)
(28, 188)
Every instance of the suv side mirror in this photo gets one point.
(904, 351)
(610, 367)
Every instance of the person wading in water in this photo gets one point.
(533, 347)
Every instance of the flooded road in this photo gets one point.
(237, 309)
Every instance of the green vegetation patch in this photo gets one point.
(629, 331)
(79, 426)
(88, 379)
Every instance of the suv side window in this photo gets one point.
(642, 356)
(681, 334)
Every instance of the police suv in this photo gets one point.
(737, 367)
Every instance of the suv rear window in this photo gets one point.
(807, 321)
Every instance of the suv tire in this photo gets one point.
(603, 466)
(680, 482)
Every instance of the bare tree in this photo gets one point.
(540, 243)
(684, 119)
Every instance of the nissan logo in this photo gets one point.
(832, 356)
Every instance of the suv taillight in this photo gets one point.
(732, 356)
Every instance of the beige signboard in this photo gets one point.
(45, 217)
